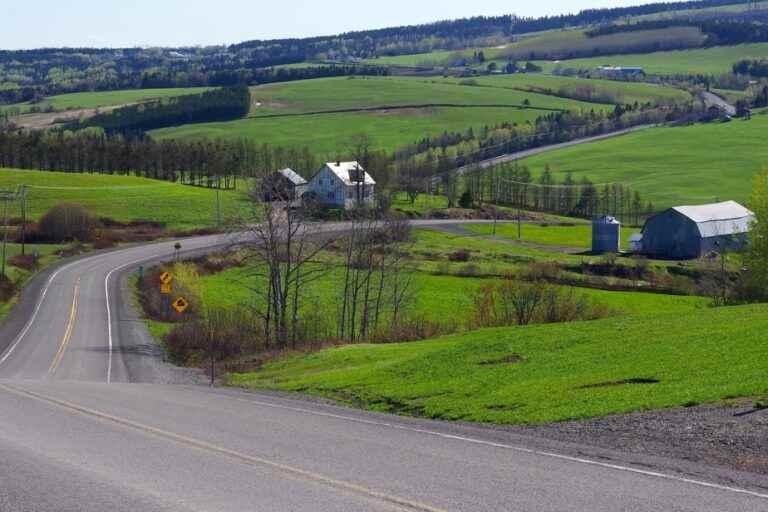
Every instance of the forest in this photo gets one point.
(222, 104)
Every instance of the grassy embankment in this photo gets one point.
(671, 166)
(296, 102)
(123, 198)
(576, 237)
(543, 373)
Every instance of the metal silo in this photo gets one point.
(606, 235)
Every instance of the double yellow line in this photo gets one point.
(68, 333)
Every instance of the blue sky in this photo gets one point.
(39, 23)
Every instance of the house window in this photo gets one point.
(349, 193)
(331, 195)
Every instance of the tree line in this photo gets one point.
(222, 104)
(752, 67)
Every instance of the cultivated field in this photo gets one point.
(671, 166)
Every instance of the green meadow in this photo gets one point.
(123, 198)
(543, 373)
(671, 166)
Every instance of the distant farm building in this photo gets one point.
(343, 185)
(688, 232)
(283, 185)
(621, 71)
(606, 235)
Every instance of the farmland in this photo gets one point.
(715, 60)
(572, 236)
(290, 114)
(540, 374)
(91, 100)
(670, 166)
(123, 198)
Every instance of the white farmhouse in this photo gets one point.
(343, 185)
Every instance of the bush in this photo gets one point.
(23, 261)
(462, 255)
(66, 223)
(465, 201)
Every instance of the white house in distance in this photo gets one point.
(343, 185)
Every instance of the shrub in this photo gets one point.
(23, 261)
(462, 255)
(466, 201)
(65, 223)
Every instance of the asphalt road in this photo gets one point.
(91, 418)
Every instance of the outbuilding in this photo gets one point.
(283, 185)
(689, 232)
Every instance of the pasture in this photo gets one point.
(301, 113)
(123, 198)
(546, 373)
(671, 166)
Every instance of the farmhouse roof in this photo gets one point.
(346, 172)
(292, 176)
(728, 218)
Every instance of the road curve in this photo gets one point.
(91, 418)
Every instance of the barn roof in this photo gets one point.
(345, 171)
(292, 176)
(719, 219)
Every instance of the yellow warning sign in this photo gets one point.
(180, 305)
(165, 289)
(166, 278)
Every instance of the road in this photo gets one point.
(91, 418)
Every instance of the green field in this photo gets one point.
(613, 91)
(329, 133)
(547, 373)
(671, 166)
(86, 100)
(577, 237)
(123, 198)
(715, 60)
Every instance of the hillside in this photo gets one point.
(122, 198)
(543, 373)
(302, 113)
(670, 166)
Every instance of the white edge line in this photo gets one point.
(520, 449)
(109, 316)
(31, 321)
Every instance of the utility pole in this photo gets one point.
(218, 202)
(23, 199)
(6, 196)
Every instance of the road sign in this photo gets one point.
(180, 305)
(166, 278)
(165, 289)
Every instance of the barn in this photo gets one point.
(284, 185)
(688, 232)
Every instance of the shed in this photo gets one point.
(688, 232)
(283, 185)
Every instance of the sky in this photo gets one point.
(128, 23)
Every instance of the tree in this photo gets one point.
(757, 255)
(465, 201)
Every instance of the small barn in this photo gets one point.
(688, 232)
(283, 185)
(343, 185)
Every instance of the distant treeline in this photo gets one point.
(31, 74)
(222, 104)
(172, 160)
(718, 31)
(757, 68)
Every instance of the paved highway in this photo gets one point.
(91, 418)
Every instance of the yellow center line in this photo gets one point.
(397, 502)
(68, 333)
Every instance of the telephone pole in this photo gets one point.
(6, 196)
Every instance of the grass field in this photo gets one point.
(619, 92)
(86, 100)
(328, 133)
(578, 237)
(543, 373)
(671, 166)
(122, 198)
(715, 60)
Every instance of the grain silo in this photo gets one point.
(606, 235)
